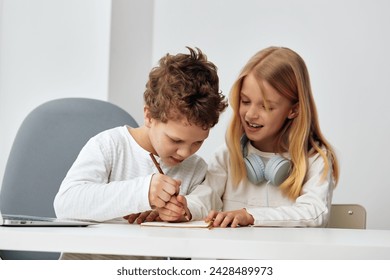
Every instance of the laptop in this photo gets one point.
(33, 221)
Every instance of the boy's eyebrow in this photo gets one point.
(175, 138)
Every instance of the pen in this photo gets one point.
(186, 215)
(156, 163)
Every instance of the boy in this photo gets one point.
(114, 175)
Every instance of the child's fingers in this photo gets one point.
(173, 209)
(168, 215)
(164, 196)
(230, 218)
(183, 201)
(131, 217)
(168, 218)
(227, 220)
(210, 217)
(162, 188)
(152, 216)
(170, 185)
(173, 200)
(236, 222)
(178, 184)
(143, 215)
(218, 219)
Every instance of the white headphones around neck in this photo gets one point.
(275, 171)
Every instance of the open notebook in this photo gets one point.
(25, 221)
(189, 224)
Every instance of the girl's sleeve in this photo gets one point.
(311, 208)
(215, 181)
(202, 196)
(198, 196)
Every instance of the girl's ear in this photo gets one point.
(294, 111)
(147, 117)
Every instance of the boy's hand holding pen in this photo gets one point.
(174, 202)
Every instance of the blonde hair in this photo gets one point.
(301, 136)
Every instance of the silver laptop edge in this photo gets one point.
(25, 220)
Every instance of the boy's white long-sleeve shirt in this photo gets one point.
(111, 177)
(265, 202)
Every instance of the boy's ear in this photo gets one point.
(294, 111)
(147, 117)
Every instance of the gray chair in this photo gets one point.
(351, 216)
(46, 145)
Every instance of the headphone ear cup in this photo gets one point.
(277, 170)
(255, 168)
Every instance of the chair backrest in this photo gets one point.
(351, 216)
(46, 145)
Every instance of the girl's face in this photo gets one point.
(175, 140)
(262, 126)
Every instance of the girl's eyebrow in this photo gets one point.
(272, 102)
(242, 94)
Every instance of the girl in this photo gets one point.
(277, 169)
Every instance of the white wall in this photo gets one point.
(49, 49)
(130, 54)
(346, 47)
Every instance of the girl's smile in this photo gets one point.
(263, 112)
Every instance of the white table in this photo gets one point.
(229, 243)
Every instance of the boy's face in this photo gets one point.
(175, 140)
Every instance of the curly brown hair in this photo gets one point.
(185, 85)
